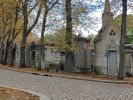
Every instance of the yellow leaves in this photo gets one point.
(7, 13)
(6, 10)
(8, 4)
(42, 2)
(117, 21)
(59, 39)
(31, 37)
(82, 10)
(7, 1)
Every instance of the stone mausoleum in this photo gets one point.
(106, 42)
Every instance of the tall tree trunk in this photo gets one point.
(27, 30)
(122, 41)
(12, 55)
(6, 49)
(11, 34)
(22, 53)
(23, 42)
(41, 47)
(23, 45)
(1, 53)
(69, 53)
(5, 55)
(6, 46)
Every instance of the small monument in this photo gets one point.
(107, 40)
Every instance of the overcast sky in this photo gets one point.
(94, 30)
(99, 24)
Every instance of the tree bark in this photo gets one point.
(41, 47)
(22, 53)
(26, 31)
(122, 42)
(5, 57)
(6, 49)
(12, 56)
(23, 42)
(1, 53)
(69, 53)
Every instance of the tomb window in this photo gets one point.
(112, 33)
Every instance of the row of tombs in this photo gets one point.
(103, 59)
(53, 57)
(85, 60)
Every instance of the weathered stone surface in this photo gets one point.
(107, 40)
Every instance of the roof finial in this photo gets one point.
(107, 7)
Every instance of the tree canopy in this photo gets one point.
(129, 35)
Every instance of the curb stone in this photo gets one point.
(41, 97)
(68, 77)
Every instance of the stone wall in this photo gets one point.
(51, 55)
(82, 57)
(129, 60)
(107, 43)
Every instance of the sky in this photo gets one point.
(99, 24)
(97, 14)
(82, 30)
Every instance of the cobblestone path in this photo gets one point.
(66, 89)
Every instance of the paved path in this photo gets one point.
(66, 89)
